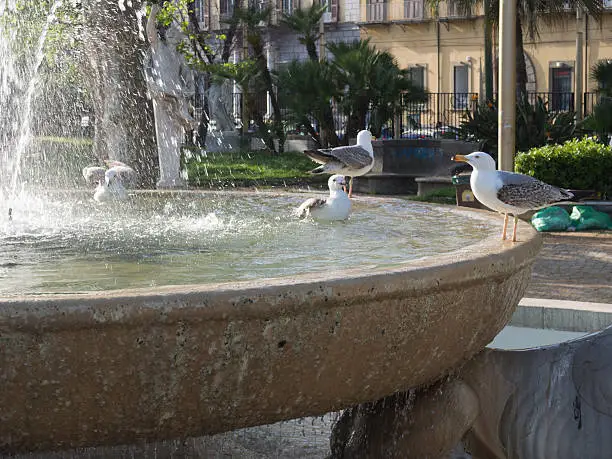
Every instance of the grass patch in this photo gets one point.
(440, 196)
(254, 168)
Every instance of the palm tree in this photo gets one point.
(306, 88)
(369, 81)
(600, 120)
(529, 15)
(305, 22)
(602, 74)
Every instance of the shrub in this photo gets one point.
(582, 164)
(536, 125)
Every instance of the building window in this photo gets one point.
(287, 6)
(561, 76)
(454, 10)
(226, 7)
(376, 11)
(413, 9)
(201, 10)
(417, 76)
(461, 86)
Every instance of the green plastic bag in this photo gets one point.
(551, 219)
(586, 217)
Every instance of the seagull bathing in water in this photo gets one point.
(336, 207)
(110, 181)
(508, 192)
(352, 160)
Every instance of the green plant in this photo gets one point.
(577, 164)
(600, 121)
(535, 125)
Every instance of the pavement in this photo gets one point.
(574, 266)
(571, 284)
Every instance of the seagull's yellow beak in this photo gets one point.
(460, 158)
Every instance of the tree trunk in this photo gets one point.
(123, 115)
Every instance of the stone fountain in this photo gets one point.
(161, 362)
(124, 366)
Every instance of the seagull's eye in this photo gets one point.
(477, 156)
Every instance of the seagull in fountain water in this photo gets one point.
(109, 181)
(352, 160)
(336, 207)
(508, 192)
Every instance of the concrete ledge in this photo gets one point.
(429, 184)
(579, 316)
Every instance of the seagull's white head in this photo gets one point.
(364, 138)
(110, 176)
(478, 160)
(336, 182)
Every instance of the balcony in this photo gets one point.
(376, 11)
(453, 11)
(413, 10)
(395, 11)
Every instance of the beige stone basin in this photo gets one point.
(128, 366)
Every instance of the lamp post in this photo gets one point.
(506, 123)
(488, 53)
(578, 91)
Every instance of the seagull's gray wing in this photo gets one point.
(527, 192)
(93, 174)
(354, 156)
(310, 204)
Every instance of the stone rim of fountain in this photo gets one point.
(190, 360)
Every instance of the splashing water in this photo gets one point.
(24, 136)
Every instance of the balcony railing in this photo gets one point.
(413, 9)
(376, 11)
(453, 10)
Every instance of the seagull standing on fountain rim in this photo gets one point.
(336, 207)
(351, 160)
(508, 192)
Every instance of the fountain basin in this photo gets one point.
(133, 365)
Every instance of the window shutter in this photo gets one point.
(334, 10)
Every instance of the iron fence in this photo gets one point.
(438, 116)
(590, 100)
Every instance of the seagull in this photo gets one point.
(352, 160)
(110, 181)
(508, 192)
(336, 207)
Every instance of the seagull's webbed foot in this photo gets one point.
(514, 228)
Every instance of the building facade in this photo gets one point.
(446, 52)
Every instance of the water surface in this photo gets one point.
(71, 243)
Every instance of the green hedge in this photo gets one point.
(581, 164)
